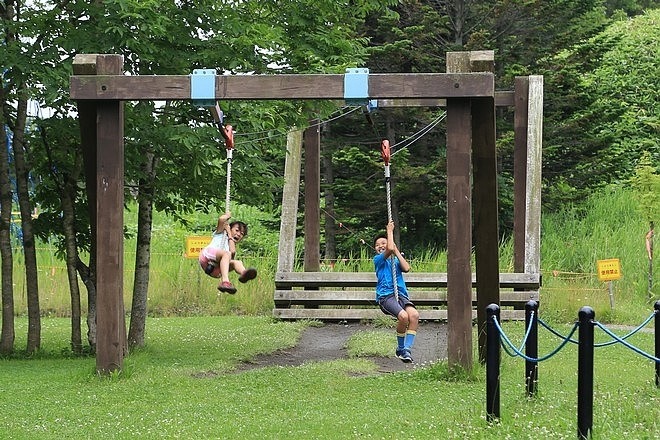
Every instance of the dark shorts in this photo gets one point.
(390, 306)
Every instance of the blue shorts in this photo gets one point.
(390, 306)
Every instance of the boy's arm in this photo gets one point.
(405, 266)
(393, 249)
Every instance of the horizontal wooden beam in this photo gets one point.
(287, 298)
(375, 313)
(414, 279)
(503, 98)
(313, 86)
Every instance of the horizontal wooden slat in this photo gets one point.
(284, 280)
(311, 86)
(285, 298)
(502, 99)
(359, 314)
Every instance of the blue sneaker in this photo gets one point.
(404, 355)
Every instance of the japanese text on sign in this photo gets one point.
(195, 244)
(609, 270)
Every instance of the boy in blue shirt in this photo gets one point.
(403, 310)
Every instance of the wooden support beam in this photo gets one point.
(486, 228)
(533, 188)
(287, 247)
(102, 124)
(312, 141)
(288, 280)
(485, 217)
(503, 98)
(521, 92)
(459, 231)
(242, 87)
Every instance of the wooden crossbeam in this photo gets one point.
(381, 86)
(287, 298)
(285, 280)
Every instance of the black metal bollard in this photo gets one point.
(585, 398)
(492, 364)
(531, 346)
(656, 307)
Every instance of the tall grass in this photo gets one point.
(605, 226)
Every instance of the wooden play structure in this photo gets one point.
(467, 91)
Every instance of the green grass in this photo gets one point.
(182, 385)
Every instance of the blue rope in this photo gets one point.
(524, 341)
(524, 356)
(627, 344)
(632, 332)
(554, 332)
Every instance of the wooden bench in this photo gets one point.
(351, 295)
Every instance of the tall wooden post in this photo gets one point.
(107, 121)
(486, 228)
(287, 248)
(459, 231)
(312, 141)
(521, 92)
(533, 187)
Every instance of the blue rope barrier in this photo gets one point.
(627, 344)
(554, 332)
(632, 332)
(519, 353)
(524, 341)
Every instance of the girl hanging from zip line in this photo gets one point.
(217, 258)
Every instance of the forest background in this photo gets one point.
(601, 121)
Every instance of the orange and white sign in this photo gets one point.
(609, 270)
(195, 244)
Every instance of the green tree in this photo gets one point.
(604, 109)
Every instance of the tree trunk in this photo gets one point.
(67, 186)
(8, 335)
(29, 248)
(88, 277)
(72, 275)
(143, 252)
(329, 211)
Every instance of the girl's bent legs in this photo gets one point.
(223, 258)
(237, 266)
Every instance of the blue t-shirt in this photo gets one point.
(384, 285)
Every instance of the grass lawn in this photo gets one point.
(181, 385)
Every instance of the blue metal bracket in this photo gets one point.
(202, 87)
(356, 86)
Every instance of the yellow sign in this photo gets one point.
(609, 270)
(195, 244)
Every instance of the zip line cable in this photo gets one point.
(420, 134)
(406, 143)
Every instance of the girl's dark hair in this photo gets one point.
(381, 235)
(242, 226)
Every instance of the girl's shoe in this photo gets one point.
(227, 287)
(249, 274)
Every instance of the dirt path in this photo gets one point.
(328, 343)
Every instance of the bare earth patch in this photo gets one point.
(328, 343)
